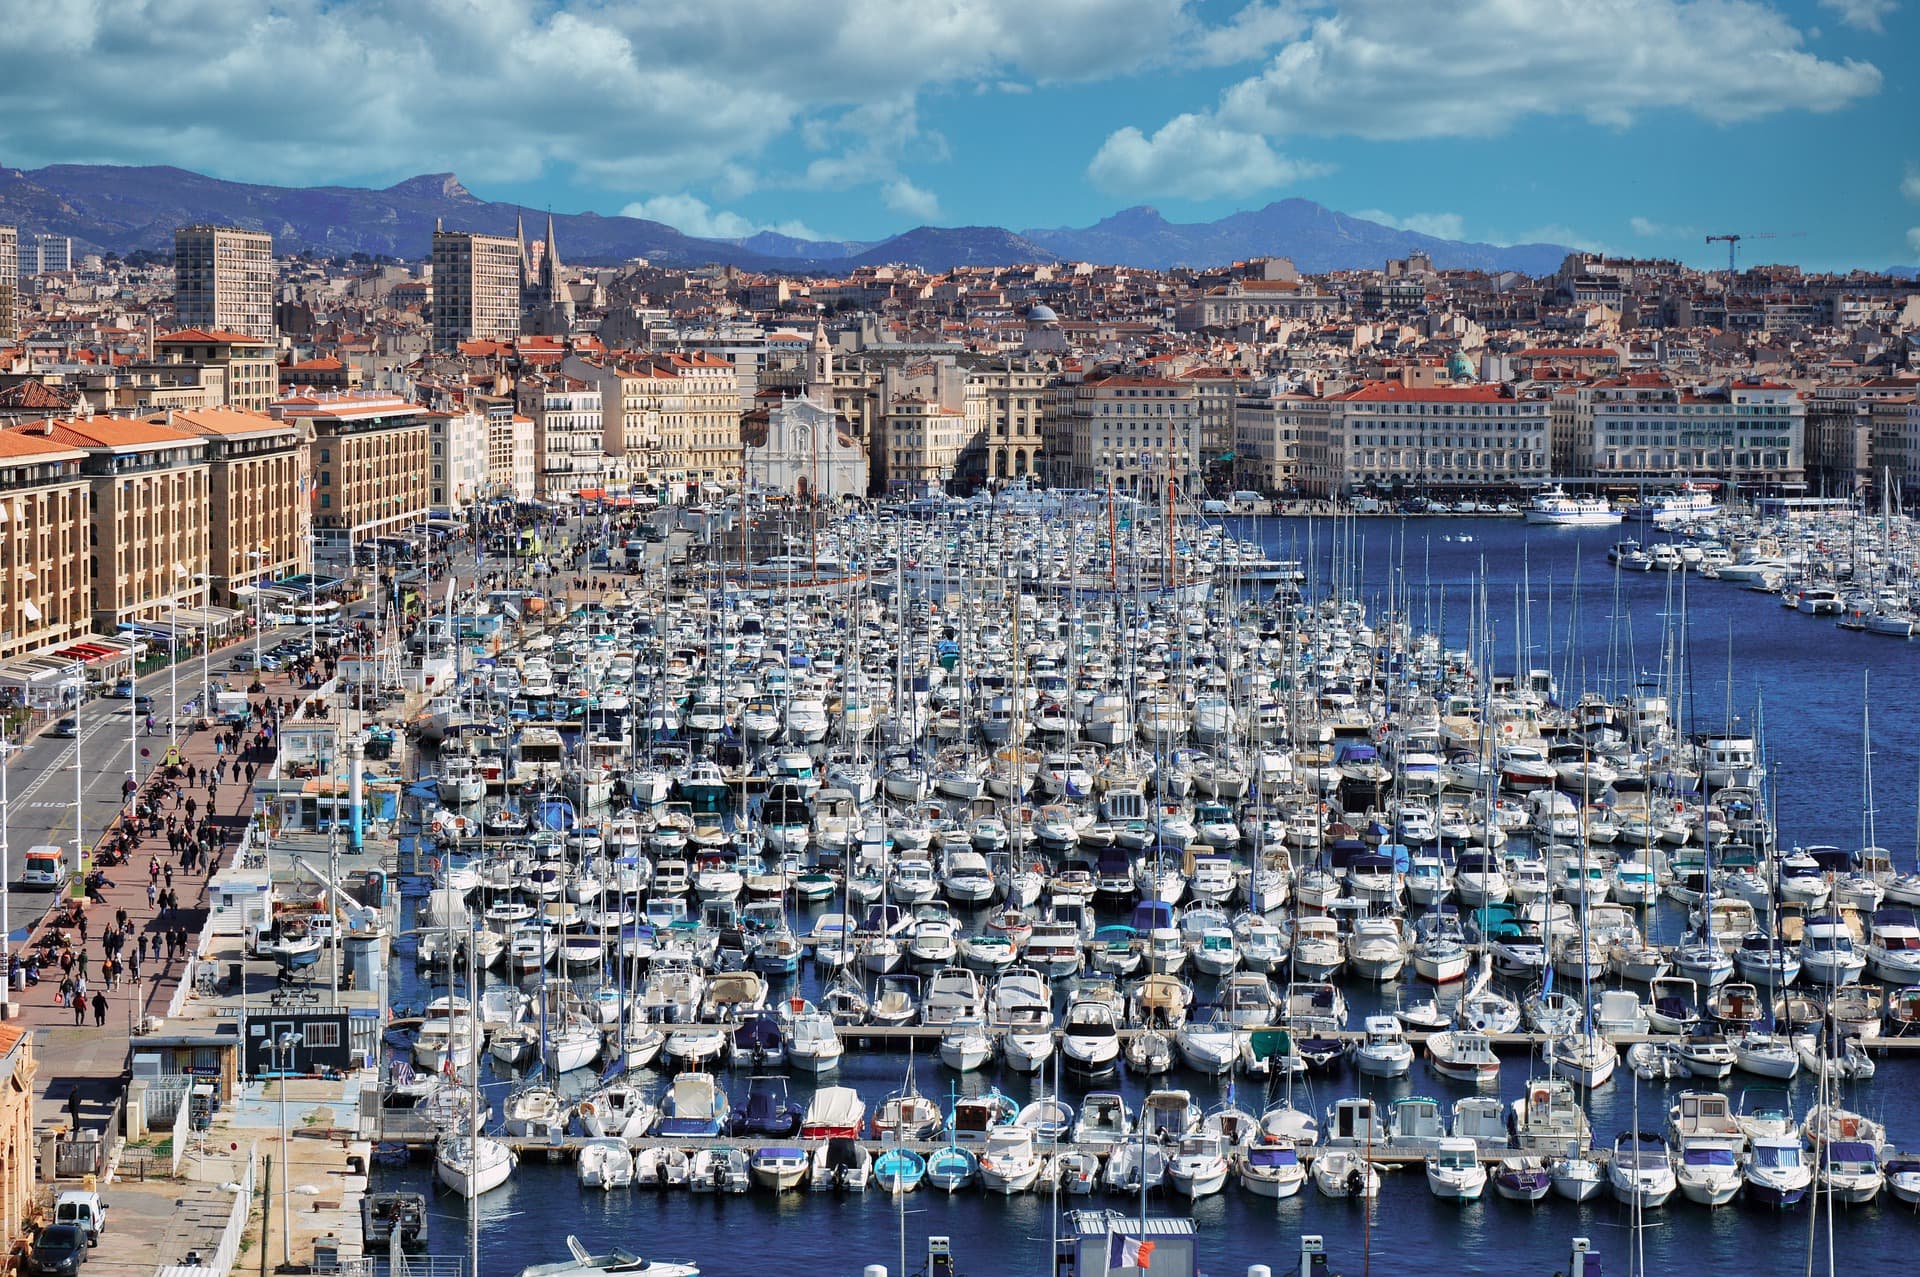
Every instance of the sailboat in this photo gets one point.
(469, 1163)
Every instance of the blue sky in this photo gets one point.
(1634, 126)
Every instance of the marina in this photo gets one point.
(925, 884)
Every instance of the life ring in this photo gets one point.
(1541, 1096)
(587, 1108)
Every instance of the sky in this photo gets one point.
(1634, 127)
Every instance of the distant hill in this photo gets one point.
(1315, 237)
(121, 209)
(943, 248)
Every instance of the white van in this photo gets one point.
(45, 867)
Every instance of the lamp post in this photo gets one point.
(173, 659)
(6, 876)
(283, 1048)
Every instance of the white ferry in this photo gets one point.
(1674, 506)
(1556, 506)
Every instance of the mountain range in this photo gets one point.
(111, 208)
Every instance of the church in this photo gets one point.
(805, 454)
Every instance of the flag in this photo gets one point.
(1546, 985)
(1128, 1252)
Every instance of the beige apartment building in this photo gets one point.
(149, 511)
(1268, 424)
(1014, 399)
(45, 516)
(257, 473)
(919, 446)
(251, 380)
(1646, 426)
(567, 426)
(1386, 433)
(224, 280)
(369, 465)
(1140, 432)
(476, 288)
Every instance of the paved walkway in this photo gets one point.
(92, 1059)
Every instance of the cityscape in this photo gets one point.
(566, 720)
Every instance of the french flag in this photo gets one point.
(1129, 1252)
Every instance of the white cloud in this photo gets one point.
(1384, 69)
(1910, 185)
(904, 197)
(673, 93)
(1193, 157)
(691, 215)
(1647, 228)
(1438, 225)
(1862, 15)
(1249, 34)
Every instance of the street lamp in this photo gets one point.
(282, 1048)
(6, 874)
(173, 660)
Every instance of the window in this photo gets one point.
(321, 1033)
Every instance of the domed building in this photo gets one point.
(1043, 334)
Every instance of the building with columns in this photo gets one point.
(804, 454)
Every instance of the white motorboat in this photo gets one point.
(1454, 1171)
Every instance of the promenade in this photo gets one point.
(89, 1058)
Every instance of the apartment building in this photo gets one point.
(46, 255)
(20, 1146)
(701, 423)
(919, 445)
(1894, 434)
(370, 466)
(257, 471)
(457, 473)
(224, 280)
(250, 372)
(1266, 445)
(9, 283)
(568, 422)
(149, 514)
(1385, 433)
(45, 519)
(1013, 404)
(1646, 426)
(1215, 390)
(1138, 431)
(476, 288)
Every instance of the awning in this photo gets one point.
(591, 494)
(32, 612)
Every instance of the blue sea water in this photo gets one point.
(1810, 675)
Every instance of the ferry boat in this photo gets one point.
(1689, 501)
(1557, 507)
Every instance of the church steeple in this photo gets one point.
(550, 265)
(520, 243)
(820, 367)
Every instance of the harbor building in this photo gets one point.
(1267, 425)
(45, 516)
(150, 514)
(457, 442)
(249, 377)
(476, 288)
(919, 445)
(1647, 426)
(568, 422)
(257, 467)
(1132, 430)
(1387, 433)
(224, 280)
(1014, 396)
(370, 466)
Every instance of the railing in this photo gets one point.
(420, 1266)
(182, 1128)
(229, 1248)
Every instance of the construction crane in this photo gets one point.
(1733, 241)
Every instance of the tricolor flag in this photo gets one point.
(1128, 1252)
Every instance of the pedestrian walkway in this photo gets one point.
(91, 1058)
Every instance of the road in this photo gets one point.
(113, 744)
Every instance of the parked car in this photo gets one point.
(84, 1211)
(58, 1251)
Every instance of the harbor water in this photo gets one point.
(1742, 651)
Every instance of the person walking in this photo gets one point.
(79, 1011)
(73, 1107)
(99, 1009)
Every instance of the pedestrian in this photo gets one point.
(73, 1107)
(80, 960)
(169, 873)
(153, 890)
(153, 867)
(99, 1009)
(79, 1011)
(65, 993)
(192, 805)
(133, 963)
(80, 924)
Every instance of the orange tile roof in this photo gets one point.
(222, 421)
(107, 432)
(1384, 391)
(202, 336)
(27, 441)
